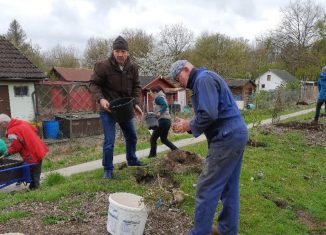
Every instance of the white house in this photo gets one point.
(273, 78)
(17, 78)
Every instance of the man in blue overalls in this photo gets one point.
(217, 116)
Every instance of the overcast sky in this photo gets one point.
(73, 22)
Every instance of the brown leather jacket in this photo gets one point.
(109, 82)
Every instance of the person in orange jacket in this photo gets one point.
(24, 140)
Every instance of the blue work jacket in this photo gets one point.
(213, 104)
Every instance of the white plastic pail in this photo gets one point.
(127, 214)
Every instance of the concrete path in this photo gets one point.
(94, 165)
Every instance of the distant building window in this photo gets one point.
(262, 85)
(269, 77)
(21, 90)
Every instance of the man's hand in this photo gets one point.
(105, 105)
(138, 111)
(181, 125)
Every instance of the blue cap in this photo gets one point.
(176, 67)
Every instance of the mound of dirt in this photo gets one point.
(314, 134)
(180, 161)
(302, 126)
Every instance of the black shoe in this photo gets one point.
(108, 174)
(33, 187)
(138, 163)
(19, 183)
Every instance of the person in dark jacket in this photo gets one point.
(161, 109)
(24, 140)
(322, 93)
(116, 77)
(218, 117)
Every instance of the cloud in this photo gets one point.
(73, 22)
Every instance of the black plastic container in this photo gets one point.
(122, 109)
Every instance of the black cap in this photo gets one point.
(120, 44)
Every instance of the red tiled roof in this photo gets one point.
(73, 74)
(14, 65)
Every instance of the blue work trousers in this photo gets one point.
(130, 136)
(219, 180)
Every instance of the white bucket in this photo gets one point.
(127, 214)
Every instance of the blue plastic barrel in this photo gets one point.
(51, 129)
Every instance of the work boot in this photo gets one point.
(33, 186)
(108, 174)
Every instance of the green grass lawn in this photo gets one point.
(282, 187)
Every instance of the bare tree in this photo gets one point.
(96, 49)
(176, 39)
(297, 32)
(61, 56)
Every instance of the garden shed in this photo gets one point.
(18, 76)
(241, 89)
(175, 95)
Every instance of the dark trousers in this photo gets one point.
(130, 136)
(35, 171)
(318, 107)
(162, 131)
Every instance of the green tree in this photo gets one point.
(16, 35)
(321, 27)
(319, 47)
(96, 49)
(262, 57)
(221, 53)
(140, 43)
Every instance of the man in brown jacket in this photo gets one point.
(114, 78)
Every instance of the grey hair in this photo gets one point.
(4, 118)
(323, 69)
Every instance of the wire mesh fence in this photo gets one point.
(60, 97)
(71, 105)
